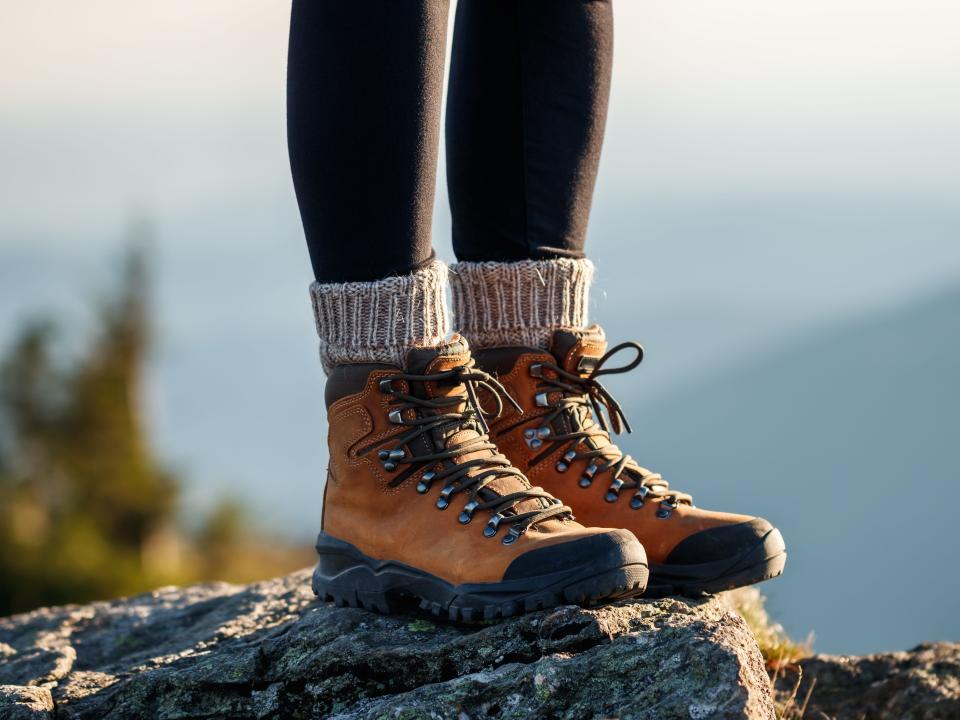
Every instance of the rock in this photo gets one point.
(271, 650)
(922, 684)
(18, 702)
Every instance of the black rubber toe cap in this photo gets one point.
(720, 543)
(603, 551)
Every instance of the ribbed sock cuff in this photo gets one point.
(380, 321)
(519, 303)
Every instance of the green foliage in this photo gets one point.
(419, 625)
(81, 495)
(86, 509)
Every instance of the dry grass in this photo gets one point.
(777, 647)
(779, 650)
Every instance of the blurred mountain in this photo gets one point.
(849, 439)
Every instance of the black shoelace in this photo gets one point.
(583, 400)
(442, 416)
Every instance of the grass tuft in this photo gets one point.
(777, 647)
(779, 650)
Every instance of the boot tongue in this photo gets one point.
(455, 352)
(452, 352)
(577, 351)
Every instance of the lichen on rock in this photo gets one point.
(270, 649)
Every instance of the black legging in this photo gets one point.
(529, 82)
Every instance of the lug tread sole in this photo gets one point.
(619, 584)
(360, 582)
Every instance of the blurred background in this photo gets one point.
(777, 220)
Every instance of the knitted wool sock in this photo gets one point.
(519, 303)
(379, 321)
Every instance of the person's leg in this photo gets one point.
(363, 103)
(527, 103)
(526, 111)
(364, 84)
(406, 431)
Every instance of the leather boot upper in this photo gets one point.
(414, 479)
(562, 441)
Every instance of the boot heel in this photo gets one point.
(343, 576)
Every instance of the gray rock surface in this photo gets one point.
(921, 684)
(271, 650)
(19, 702)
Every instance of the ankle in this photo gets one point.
(380, 321)
(519, 303)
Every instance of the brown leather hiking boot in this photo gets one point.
(561, 441)
(420, 504)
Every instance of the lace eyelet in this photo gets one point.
(386, 386)
(542, 399)
(443, 502)
(636, 502)
(568, 457)
(425, 480)
(395, 416)
(613, 492)
(492, 526)
(389, 458)
(534, 436)
(466, 515)
(536, 370)
(665, 509)
(588, 474)
(511, 537)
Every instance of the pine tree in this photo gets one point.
(82, 496)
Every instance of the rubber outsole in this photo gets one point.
(764, 561)
(347, 577)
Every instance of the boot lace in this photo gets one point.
(592, 412)
(442, 418)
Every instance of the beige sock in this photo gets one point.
(519, 303)
(380, 321)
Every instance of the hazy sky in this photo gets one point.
(109, 103)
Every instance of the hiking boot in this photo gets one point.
(420, 504)
(562, 442)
